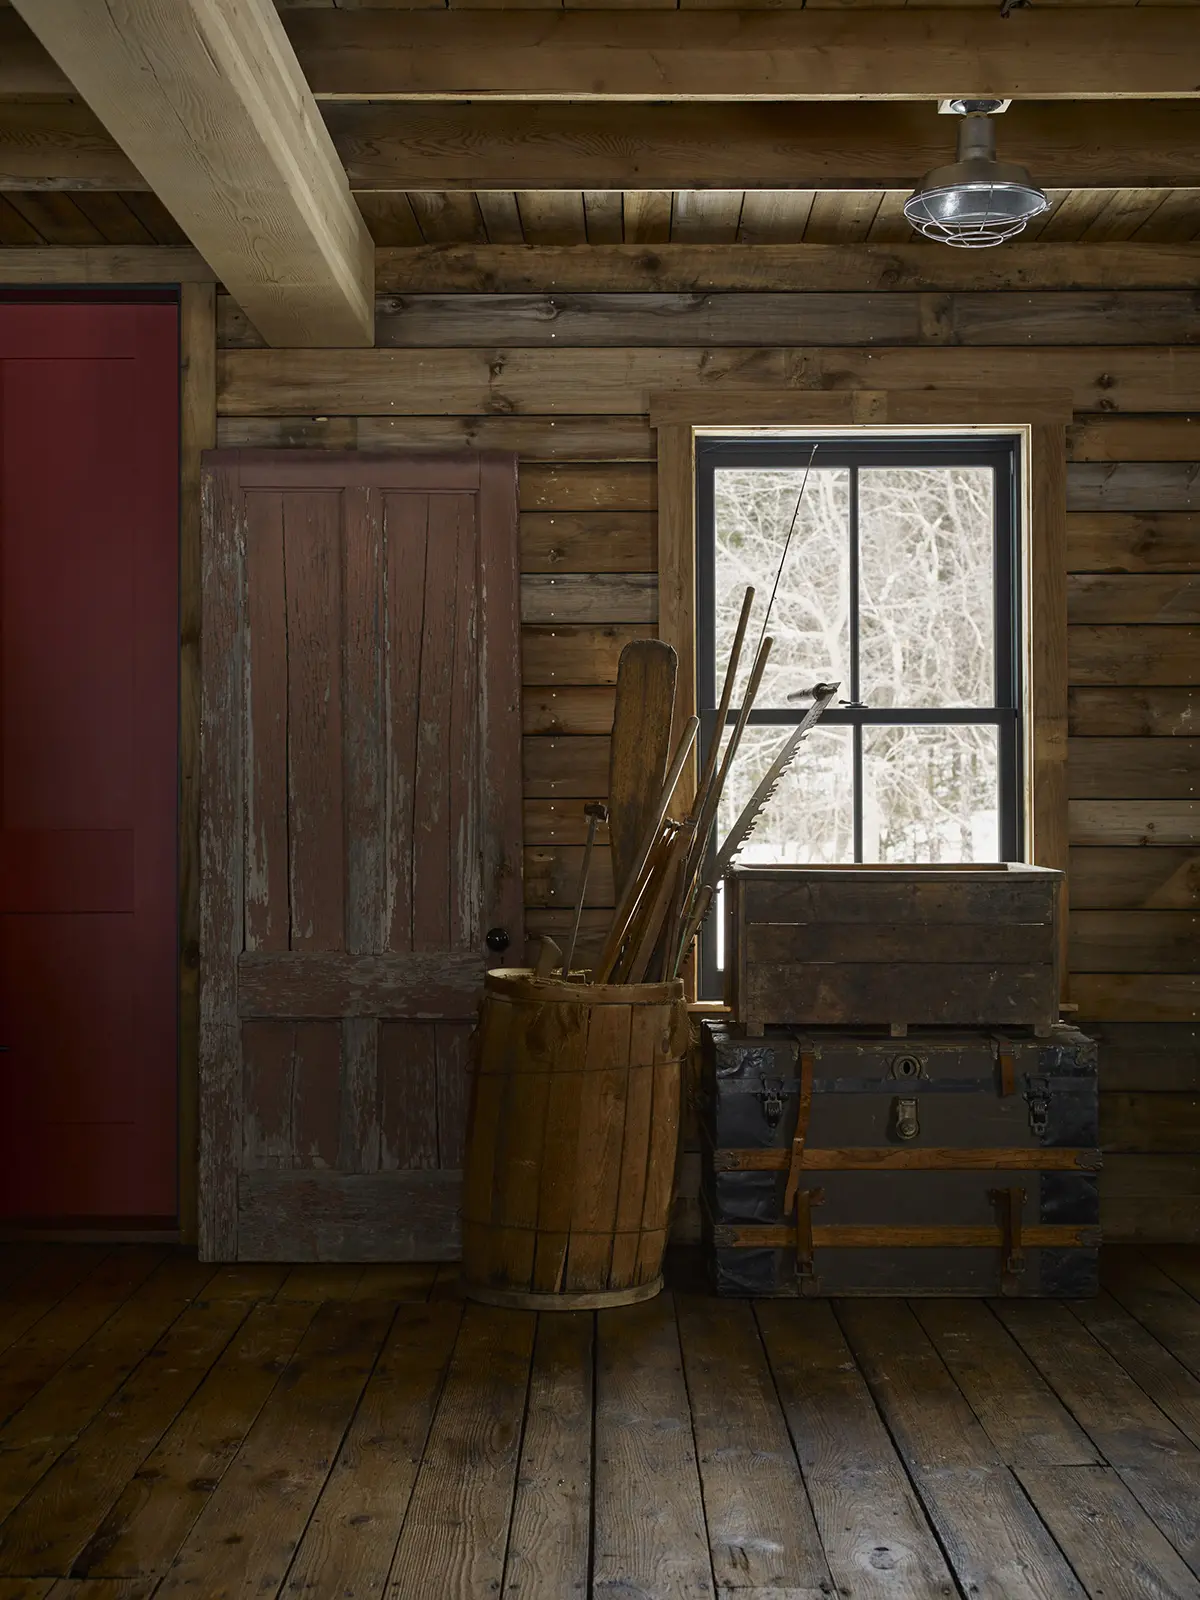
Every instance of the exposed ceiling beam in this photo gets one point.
(1039, 53)
(106, 264)
(60, 144)
(25, 67)
(1131, 144)
(895, 53)
(708, 268)
(206, 99)
(1139, 144)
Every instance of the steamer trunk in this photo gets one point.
(842, 1162)
(919, 946)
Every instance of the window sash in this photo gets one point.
(1002, 454)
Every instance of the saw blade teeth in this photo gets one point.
(765, 790)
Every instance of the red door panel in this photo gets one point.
(89, 574)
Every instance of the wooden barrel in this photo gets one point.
(572, 1141)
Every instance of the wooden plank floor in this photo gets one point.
(172, 1429)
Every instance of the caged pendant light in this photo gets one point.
(977, 200)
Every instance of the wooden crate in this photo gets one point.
(860, 946)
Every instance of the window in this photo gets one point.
(901, 582)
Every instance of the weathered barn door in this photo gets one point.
(361, 836)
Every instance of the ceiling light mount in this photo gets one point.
(976, 200)
(963, 107)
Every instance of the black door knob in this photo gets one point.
(497, 939)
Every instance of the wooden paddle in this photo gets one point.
(641, 746)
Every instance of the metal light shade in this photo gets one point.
(976, 201)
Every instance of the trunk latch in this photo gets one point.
(770, 1098)
(905, 1122)
(1037, 1097)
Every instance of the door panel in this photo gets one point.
(362, 817)
(89, 535)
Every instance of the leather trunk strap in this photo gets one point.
(1010, 1203)
(799, 1137)
(806, 1199)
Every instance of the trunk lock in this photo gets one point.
(770, 1098)
(1037, 1097)
(905, 1122)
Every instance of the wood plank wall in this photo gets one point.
(564, 378)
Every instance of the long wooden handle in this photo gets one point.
(653, 925)
(595, 814)
(629, 893)
(731, 671)
(704, 806)
(629, 926)
(699, 911)
(713, 800)
(654, 828)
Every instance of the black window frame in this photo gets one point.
(1001, 452)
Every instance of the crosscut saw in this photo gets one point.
(822, 694)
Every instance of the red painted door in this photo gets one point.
(89, 575)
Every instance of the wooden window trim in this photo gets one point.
(1040, 416)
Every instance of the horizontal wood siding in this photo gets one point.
(564, 378)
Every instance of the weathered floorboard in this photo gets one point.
(994, 1542)
(248, 1532)
(1113, 1545)
(875, 1535)
(345, 1431)
(456, 1531)
(549, 1543)
(53, 1524)
(348, 1545)
(760, 1524)
(31, 1360)
(649, 1520)
(163, 1499)
(1017, 1408)
(1152, 1456)
(37, 1435)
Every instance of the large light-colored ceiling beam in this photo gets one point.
(207, 101)
(896, 53)
(1131, 144)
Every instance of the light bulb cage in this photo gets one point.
(983, 220)
(976, 201)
